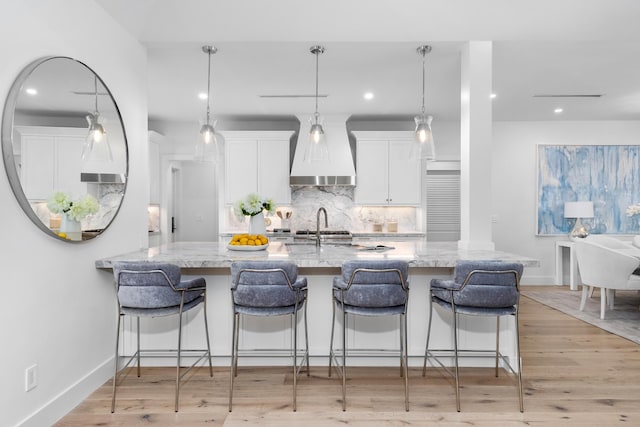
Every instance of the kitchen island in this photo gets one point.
(426, 261)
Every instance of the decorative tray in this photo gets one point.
(247, 247)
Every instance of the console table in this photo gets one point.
(563, 246)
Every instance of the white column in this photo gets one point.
(475, 146)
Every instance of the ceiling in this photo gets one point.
(543, 47)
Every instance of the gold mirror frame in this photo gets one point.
(108, 190)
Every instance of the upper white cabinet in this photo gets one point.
(50, 161)
(257, 162)
(385, 175)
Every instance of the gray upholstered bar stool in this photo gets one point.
(149, 289)
(478, 288)
(370, 288)
(268, 288)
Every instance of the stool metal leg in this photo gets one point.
(206, 331)
(333, 326)
(426, 349)
(497, 342)
(403, 332)
(344, 357)
(138, 341)
(455, 351)
(306, 337)
(233, 370)
(115, 370)
(519, 359)
(179, 352)
(295, 355)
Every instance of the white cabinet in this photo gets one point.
(385, 174)
(50, 161)
(257, 162)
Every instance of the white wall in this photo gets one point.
(58, 310)
(514, 181)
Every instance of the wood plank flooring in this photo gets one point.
(574, 374)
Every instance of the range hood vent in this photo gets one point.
(339, 169)
(102, 178)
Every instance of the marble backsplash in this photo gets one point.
(342, 212)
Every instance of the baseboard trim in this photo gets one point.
(69, 398)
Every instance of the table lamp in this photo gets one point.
(578, 210)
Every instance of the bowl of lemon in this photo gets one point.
(248, 242)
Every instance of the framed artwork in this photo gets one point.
(607, 175)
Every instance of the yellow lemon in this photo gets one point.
(63, 235)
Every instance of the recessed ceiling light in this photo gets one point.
(31, 91)
(558, 110)
(202, 95)
(368, 96)
(493, 96)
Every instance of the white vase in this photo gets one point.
(71, 228)
(256, 224)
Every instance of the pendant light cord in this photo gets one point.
(423, 78)
(209, 86)
(317, 59)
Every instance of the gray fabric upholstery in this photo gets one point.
(264, 292)
(480, 288)
(372, 289)
(154, 289)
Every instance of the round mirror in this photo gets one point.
(64, 148)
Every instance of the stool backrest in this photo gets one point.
(490, 284)
(147, 284)
(264, 283)
(374, 283)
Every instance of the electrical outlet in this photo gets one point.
(30, 377)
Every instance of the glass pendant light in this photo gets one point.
(423, 147)
(96, 146)
(317, 146)
(210, 142)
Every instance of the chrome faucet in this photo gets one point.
(326, 224)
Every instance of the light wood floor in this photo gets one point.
(574, 374)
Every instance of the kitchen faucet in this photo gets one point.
(326, 224)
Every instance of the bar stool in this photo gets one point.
(268, 288)
(478, 288)
(150, 289)
(370, 288)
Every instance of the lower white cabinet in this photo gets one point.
(386, 176)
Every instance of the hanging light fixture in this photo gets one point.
(317, 146)
(423, 148)
(209, 142)
(97, 137)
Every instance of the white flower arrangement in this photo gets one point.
(61, 203)
(253, 205)
(633, 210)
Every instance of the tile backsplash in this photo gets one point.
(342, 212)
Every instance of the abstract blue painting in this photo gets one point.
(607, 175)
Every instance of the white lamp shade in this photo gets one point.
(578, 210)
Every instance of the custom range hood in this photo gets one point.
(338, 169)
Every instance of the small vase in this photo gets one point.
(256, 224)
(71, 228)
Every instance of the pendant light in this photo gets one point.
(209, 142)
(96, 146)
(317, 146)
(423, 147)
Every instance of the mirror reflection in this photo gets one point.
(64, 148)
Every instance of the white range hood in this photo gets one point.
(338, 169)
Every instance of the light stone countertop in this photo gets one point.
(216, 255)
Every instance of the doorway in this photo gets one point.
(191, 200)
